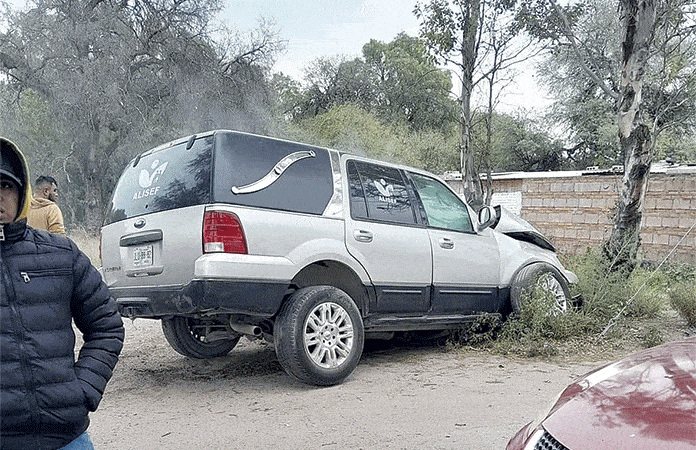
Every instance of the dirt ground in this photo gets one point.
(401, 396)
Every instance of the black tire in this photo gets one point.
(187, 336)
(547, 277)
(319, 335)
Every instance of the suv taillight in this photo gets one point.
(223, 233)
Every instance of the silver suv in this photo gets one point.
(226, 234)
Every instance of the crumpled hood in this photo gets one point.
(26, 194)
(518, 228)
(644, 401)
(40, 202)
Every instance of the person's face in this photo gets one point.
(9, 200)
(52, 192)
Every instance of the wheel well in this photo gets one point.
(336, 274)
(513, 279)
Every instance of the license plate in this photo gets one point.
(142, 256)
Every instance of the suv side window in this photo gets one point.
(303, 184)
(358, 207)
(444, 209)
(379, 193)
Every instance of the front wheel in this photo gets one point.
(196, 338)
(319, 335)
(546, 278)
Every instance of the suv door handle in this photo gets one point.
(362, 235)
(446, 243)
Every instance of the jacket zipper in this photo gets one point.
(27, 276)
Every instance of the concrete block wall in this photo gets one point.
(574, 211)
(670, 212)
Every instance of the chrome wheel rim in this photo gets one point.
(328, 335)
(551, 284)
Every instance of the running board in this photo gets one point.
(423, 322)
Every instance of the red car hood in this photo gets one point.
(644, 401)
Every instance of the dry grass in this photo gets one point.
(682, 297)
(88, 243)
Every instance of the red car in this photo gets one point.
(644, 401)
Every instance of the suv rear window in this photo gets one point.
(163, 180)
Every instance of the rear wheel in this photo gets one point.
(198, 338)
(545, 277)
(319, 335)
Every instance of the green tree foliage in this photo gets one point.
(396, 81)
(481, 39)
(452, 33)
(675, 147)
(409, 87)
(520, 144)
(350, 128)
(30, 121)
(123, 75)
(583, 107)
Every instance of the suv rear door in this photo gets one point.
(382, 229)
(152, 232)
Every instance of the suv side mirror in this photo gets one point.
(487, 216)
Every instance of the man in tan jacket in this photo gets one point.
(44, 213)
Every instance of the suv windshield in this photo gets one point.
(163, 180)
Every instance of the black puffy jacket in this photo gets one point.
(45, 394)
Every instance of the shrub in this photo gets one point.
(647, 294)
(483, 331)
(603, 290)
(679, 272)
(682, 296)
(652, 337)
(535, 330)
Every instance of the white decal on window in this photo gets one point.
(149, 192)
(386, 191)
(146, 179)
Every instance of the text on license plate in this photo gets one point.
(142, 256)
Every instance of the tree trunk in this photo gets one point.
(634, 136)
(470, 179)
(92, 175)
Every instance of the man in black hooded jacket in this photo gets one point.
(47, 282)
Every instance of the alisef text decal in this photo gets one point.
(147, 179)
(386, 191)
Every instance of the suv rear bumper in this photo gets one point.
(258, 299)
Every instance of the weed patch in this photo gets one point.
(643, 301)
(652, 337)
(682, 297)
